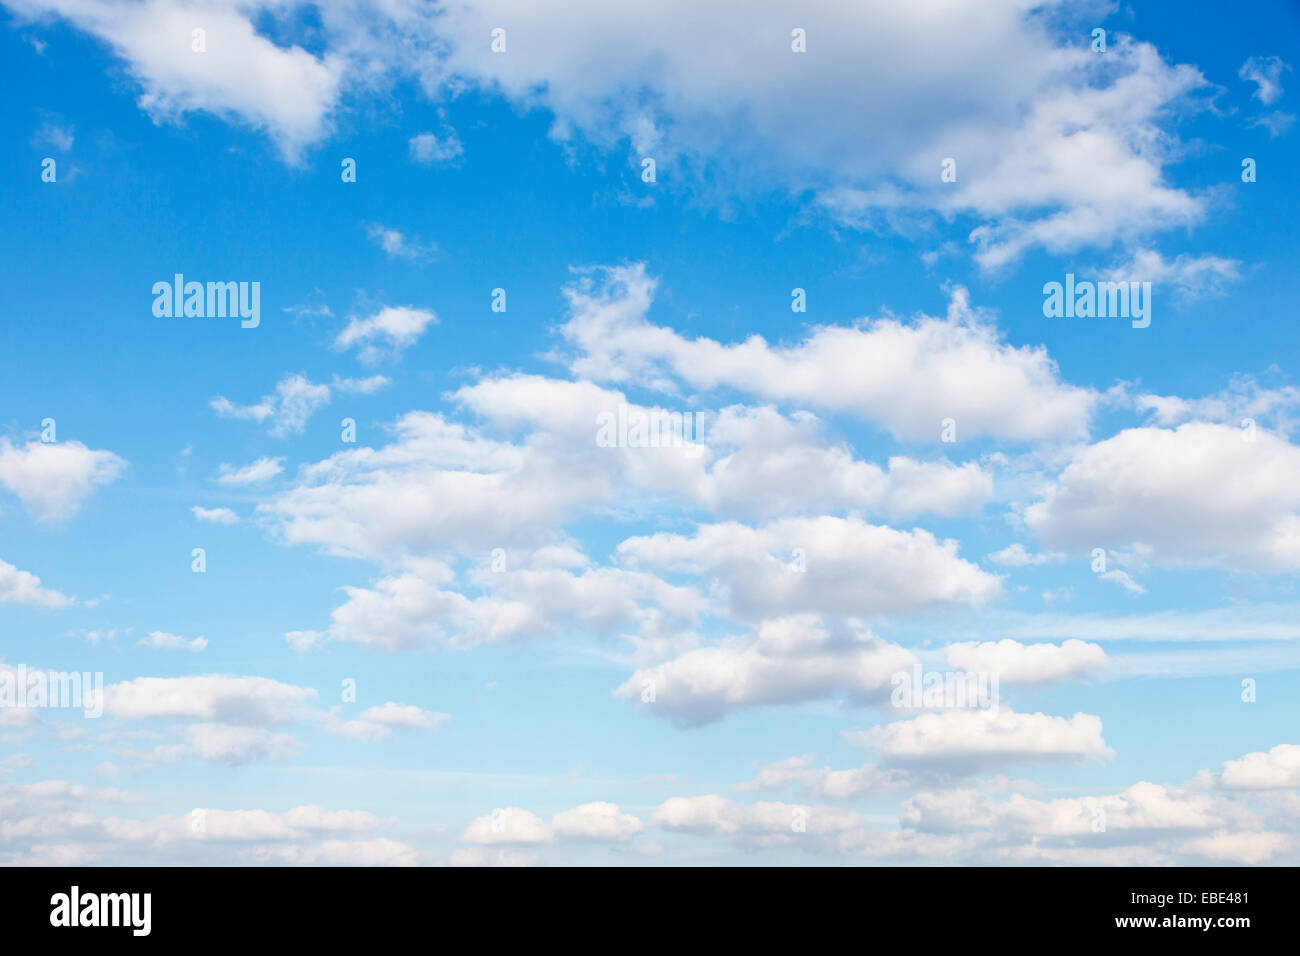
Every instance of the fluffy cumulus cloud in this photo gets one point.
(53, 822)
(1273, 769)
(513, 489)
(214, 697)
(907, 377)
(598, 822)
(788, 661)
(54, 479)
(392, 329)
(214, 515)
(230, 720)
(828, 784)
(429, 148)
(1056, 147)
(240, 74)
(1029, 664)
(758, 825)
(423, 605)
(1201, 494)
(819, 565)
(379, 723)
(966, 739)
(23, 587)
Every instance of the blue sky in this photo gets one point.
(499, 716)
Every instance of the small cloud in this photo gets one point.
(361, 386)
(1123, 580)
(1015, 556)
(261, 470)
(294, 401)
(1276, 123)
(1192, 277)
(1266, 73)
(23, 587)
(109, 635)
(314, 307)
(397, 245)
(55, 135)
(387, 333)
(303, 641)
(427, 148)
(161, 640)
(215, 515)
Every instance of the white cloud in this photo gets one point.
(826, 783)
(264, 469)
(161, 640)
(756, 460)
(1243, 398)
(824, 565)
(54, 479)
(377, 852)
(54, 134)
(53, 822)
(1124, 580)
(1199, 495)
(361, 386)
(1056, 146)
(1266, 73)
(1191, 277)
(1141, 807)
(508, 825)
(759, 825)
(221, 515)
(908, 378)
(387, 333)
(288, 408)
(378, 723)
(428, 148)
(967, 739)
(302, 641)
(1016, 556)
(1029, 664)
(23, 587)
(600, 821)
(213, 698)
(422, 605)
(391, 501)
(398, 245)
(1251, 849)
(285, 91)
(236, 745)
(788, 661)
(1276, 122)
(1267, 770)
